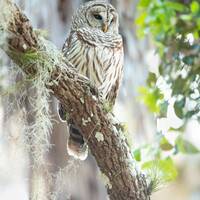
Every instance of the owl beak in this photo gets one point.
(105, 27)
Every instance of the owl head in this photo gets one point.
(98, 15)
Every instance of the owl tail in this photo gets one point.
(76, 145)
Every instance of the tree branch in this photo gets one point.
(105, 137)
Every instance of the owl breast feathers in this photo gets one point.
(95, 49)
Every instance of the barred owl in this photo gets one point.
(95, 48)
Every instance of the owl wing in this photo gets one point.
(62, 113)
(112, 94)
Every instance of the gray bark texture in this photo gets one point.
(105, 137)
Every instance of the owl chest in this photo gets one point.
(91, 61)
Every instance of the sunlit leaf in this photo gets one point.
(175, 5)
(144, 3)
(165, 145)
(186, 17)
(165, 169)
(185, 146)
(195, 7)
(141, 19)
(137, 154)
(150, 97)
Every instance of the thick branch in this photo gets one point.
(105, 137)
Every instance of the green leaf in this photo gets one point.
(185, 146)
(165, 145)
(194, 7)
(178, 107)
(177, 87)
(176, 6)
(198, 24)
(180, 129)
(144, 3)
(186, 17)
(189, 60)
(164, 170)
(163, 108)
(151, 80)
(150, 97)
(141, 19)
(190, 113)
(137, 154)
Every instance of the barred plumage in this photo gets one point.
(95, 48)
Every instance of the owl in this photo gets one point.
(95, 49)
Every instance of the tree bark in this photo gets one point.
(104, 136)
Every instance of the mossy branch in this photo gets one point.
(74, 91)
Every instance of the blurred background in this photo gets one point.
(158, 105)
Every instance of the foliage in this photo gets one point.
(158, 167)
(185, 146)
(160, 172)
(174, 27)
(150, 96)
(156, 160)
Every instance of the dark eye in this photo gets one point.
(97, 16)
(112, 21)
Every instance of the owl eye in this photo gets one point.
(97, 16)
